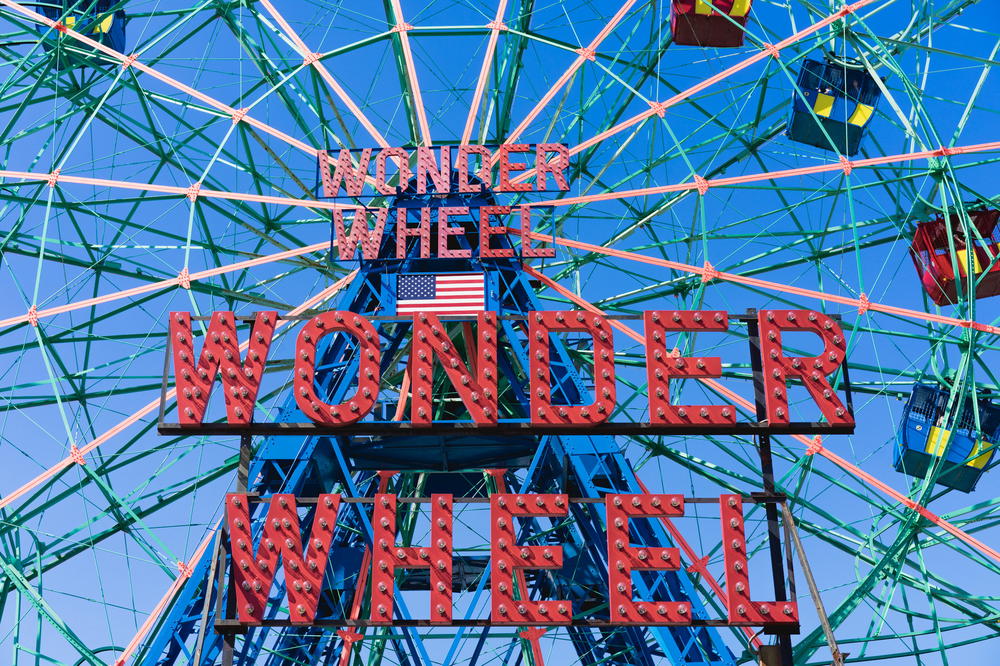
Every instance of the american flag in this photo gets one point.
(444, 293)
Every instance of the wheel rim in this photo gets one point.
(79, 373)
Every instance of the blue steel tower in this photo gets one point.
(200, 627)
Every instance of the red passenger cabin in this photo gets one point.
(709, 23)
(936, 263)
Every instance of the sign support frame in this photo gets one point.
(770, 490)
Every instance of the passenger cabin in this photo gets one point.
(926, 433)
(719, 24)
(91, 18)
(835, 107)
(937, 261)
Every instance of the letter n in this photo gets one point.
(478, 393)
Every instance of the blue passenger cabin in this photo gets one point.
(92, 18)
(926, 434)
(838, 99)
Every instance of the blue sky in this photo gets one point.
(823, 232)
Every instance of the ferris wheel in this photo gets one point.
(161, 156)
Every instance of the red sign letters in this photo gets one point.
(220, 355)
(254, 566)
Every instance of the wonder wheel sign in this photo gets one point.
(451, 333)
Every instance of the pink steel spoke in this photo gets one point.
(812, 446)
(313, 59)
(166, 284)
(658, 108)
(404, 389)
(168, 598)
(587, 53)
(766, 52)
(152, 406)
(862, 304)
(679, 187)
(131, 61)
(491, 46)
(703, 185)
(194, 191)
(402, 27)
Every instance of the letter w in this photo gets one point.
(370, 239)
(354, 179)
(240, 378)
(280, 537)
